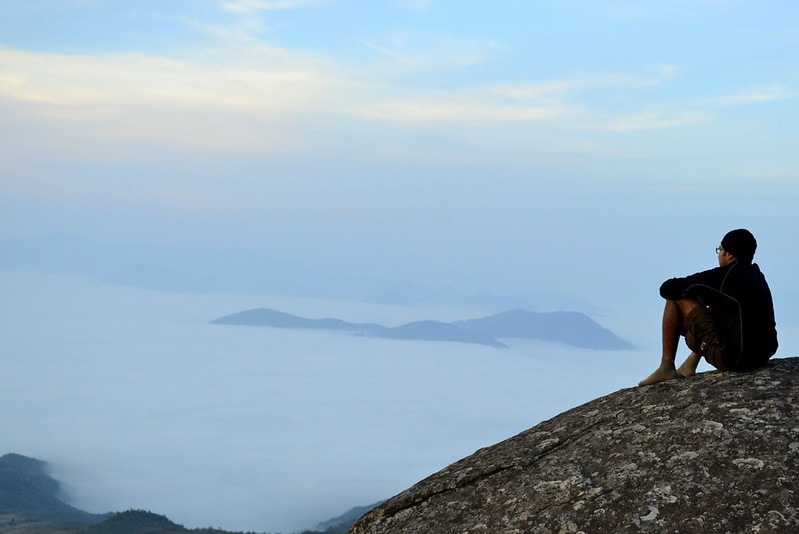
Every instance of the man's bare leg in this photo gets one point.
(673, 315)
(688, 367)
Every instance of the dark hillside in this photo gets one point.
(135, 522)
(30, 504)
(28, 492)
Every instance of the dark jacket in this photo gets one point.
(740, 301)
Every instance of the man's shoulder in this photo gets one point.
(745, 269)
(714, 272)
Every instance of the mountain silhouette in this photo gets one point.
(27, 491)
(278, 319)
(419, 330)
(438, 331)
(572, 328)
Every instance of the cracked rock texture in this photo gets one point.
(718, 452)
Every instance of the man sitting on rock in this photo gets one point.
(726, 314)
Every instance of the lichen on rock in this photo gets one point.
(717, 452)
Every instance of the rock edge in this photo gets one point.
(718, 452)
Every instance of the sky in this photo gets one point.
(488, 146)
(588, 149)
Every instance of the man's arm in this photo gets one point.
(680, 288)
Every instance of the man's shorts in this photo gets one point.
(702, 337)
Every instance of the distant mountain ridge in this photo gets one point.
(28, 492)
(572, 328)
(192, 270)
(278, 319)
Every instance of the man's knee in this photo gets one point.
(686, 306)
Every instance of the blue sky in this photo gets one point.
(485, 145)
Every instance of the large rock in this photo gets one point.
(718, 452)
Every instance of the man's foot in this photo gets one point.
(661, 374)
(688, 367)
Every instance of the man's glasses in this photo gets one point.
(719, 249)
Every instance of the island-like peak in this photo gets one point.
(572, 328)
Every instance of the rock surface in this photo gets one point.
(718, 452)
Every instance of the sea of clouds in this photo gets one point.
(137, 402)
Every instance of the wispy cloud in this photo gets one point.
(268, 98)
(456, 109)
(566, 99)
(178, 101)
(662, 75)
(408, 53)
(650, 121)
(582, 85)
(116, 79)
(769, 93)
(250, 94)
(416, 5)
(255, 6)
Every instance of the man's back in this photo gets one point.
(742, 306)
(747, 284)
